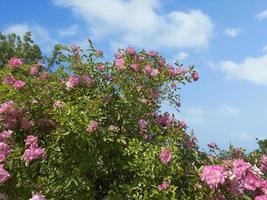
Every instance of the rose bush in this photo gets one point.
(91, 129)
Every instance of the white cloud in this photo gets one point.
(19, 29)
(264, 48)
(70, 31)
(232, 32)
(140, 23)
(262, 15)
(39, 34)
(182, 56)
(253, 69)
(45, 38)
(194, 115)
(229, 110)
(243, 136)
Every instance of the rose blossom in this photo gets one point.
(9, 79)
(5, 135)
(6, 106)
(33, 153)
(119, 63)
(73, 81)
(195, 76)
(261, 197)
(37, 196)
(153, 53)
(213, 175)
(4, 175)
(182, 124)
(58, 104)
(19, 84)
(134, 67)
(130, 50)
(212, 145)
(26, 123)
(15, 62)
(34, 70)
(163, 186)
(31, 140)
(92, 126)
(142, 124)
(165, 156)
(88, 80)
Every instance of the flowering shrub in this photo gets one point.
(92, 129)
(232, 177)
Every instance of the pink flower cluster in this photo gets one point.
(92, 126)
(213, 175)
(263, 163)
(10, 80)
(4, 175)
(37, 196)
(58, 104)
(120, 63)
(34, 70)
(238, 176)
(148, 70)
(180, 71)
(195, 76)
(26, 123)
(10, 115)
(165, 156)
(163, 186)
(75, 80)
(15, 62)
(165, 120)
(33, 151)
(5, 150)
(142, 125)
(130, 51)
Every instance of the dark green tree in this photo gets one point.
(12, 45)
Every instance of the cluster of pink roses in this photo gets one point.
(33, 151)
(37, 196)
(11, 116)
(5, 150)
(92, 126)
(75, 80)
(15, 62)
(147, 69)
(10, 80)
(238, 176)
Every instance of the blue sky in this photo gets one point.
(225, 39)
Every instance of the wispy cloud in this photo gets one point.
(229, 110)
(44, 37)
(232, 32)
(39, 34)
(243, 136)
(69, 31)
(139, 23)
(262, 15)
(253, 69)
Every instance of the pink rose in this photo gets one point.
(19, 84)
(92, 126)
(4, 175)
(15, 62)
(134, 67)
(165, 156)
(195, 76)
(163, 186)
